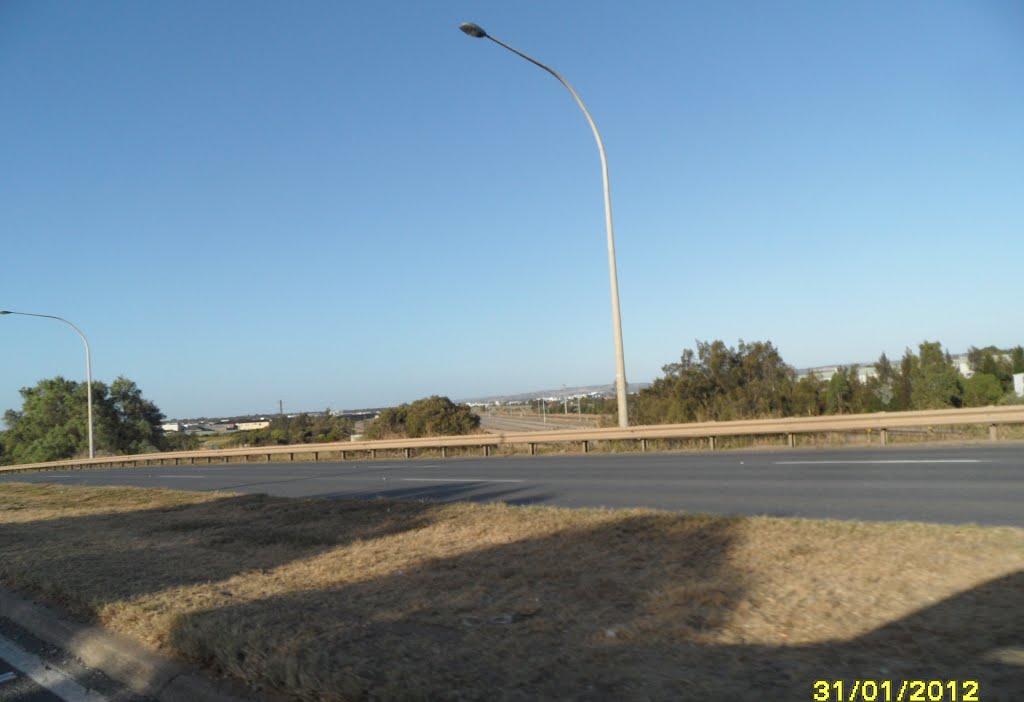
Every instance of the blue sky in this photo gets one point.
(354, 204)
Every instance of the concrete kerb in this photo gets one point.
(120, 659)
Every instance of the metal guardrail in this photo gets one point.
(881, 422)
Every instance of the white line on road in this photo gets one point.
(459, 480)
(52, 679)
(881, 461)
(180, 477)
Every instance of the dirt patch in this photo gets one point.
(342, 600)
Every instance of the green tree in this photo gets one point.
(389, 424)
(430, 416)
(808, 398)
(935, 381)
(1017, 359)
(844, 391)
(882, 386)
(994, 362)
(131, 423)
(300, 429)
(53, 421)
(719, 382)
(180, 441)
(981, 390)
(903, 383)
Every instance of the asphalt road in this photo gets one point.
(976, 484)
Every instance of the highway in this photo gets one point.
(980, 484)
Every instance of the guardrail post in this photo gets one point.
(373, 453)
(791, 440)
(643, 445)
(533, 449)
(993, 433)
(487, 450)
(711, 443)
(444, 452)
(884, 435)
(586, 446)
(408, 453)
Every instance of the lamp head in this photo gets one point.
(473, 30)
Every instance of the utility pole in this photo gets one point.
(280, 407)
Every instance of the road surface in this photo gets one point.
(979, 484)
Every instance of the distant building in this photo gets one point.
(963, 364)
(1018, 384)
(249, 426)
(172, 426)
(864, 371)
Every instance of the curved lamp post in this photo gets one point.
(88, 365)
(474, 30)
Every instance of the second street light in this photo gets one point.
(620, 362)
(88, 366)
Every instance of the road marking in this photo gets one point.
(181, 477)
(52, 679)
(881, 461)
(459, 480)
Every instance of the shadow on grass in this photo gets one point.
(122, 555)
(560, 628)
(545, 618)
(628, 606)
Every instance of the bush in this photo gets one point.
(430, 416)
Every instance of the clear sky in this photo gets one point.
(353, 204)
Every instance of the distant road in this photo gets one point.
(533, 422)
(981, 484)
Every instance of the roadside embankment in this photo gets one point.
(341, 600)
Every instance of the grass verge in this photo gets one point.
(340, 600)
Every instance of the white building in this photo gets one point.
(1018, 384)
(864, 371)
(249, 426)
(172, 426)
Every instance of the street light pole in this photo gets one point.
(476, 31)
(88, 366)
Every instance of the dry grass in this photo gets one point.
(341, 600)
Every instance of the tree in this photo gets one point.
(981, 390)
(53, 421)
(132, 423)
(808, 398)
(430, 416)
(903, 383)
(935, 381)
(389, 424)
(844, 391)
(719, 382)
(300, 429)
(1017, 359)
(882, 386)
